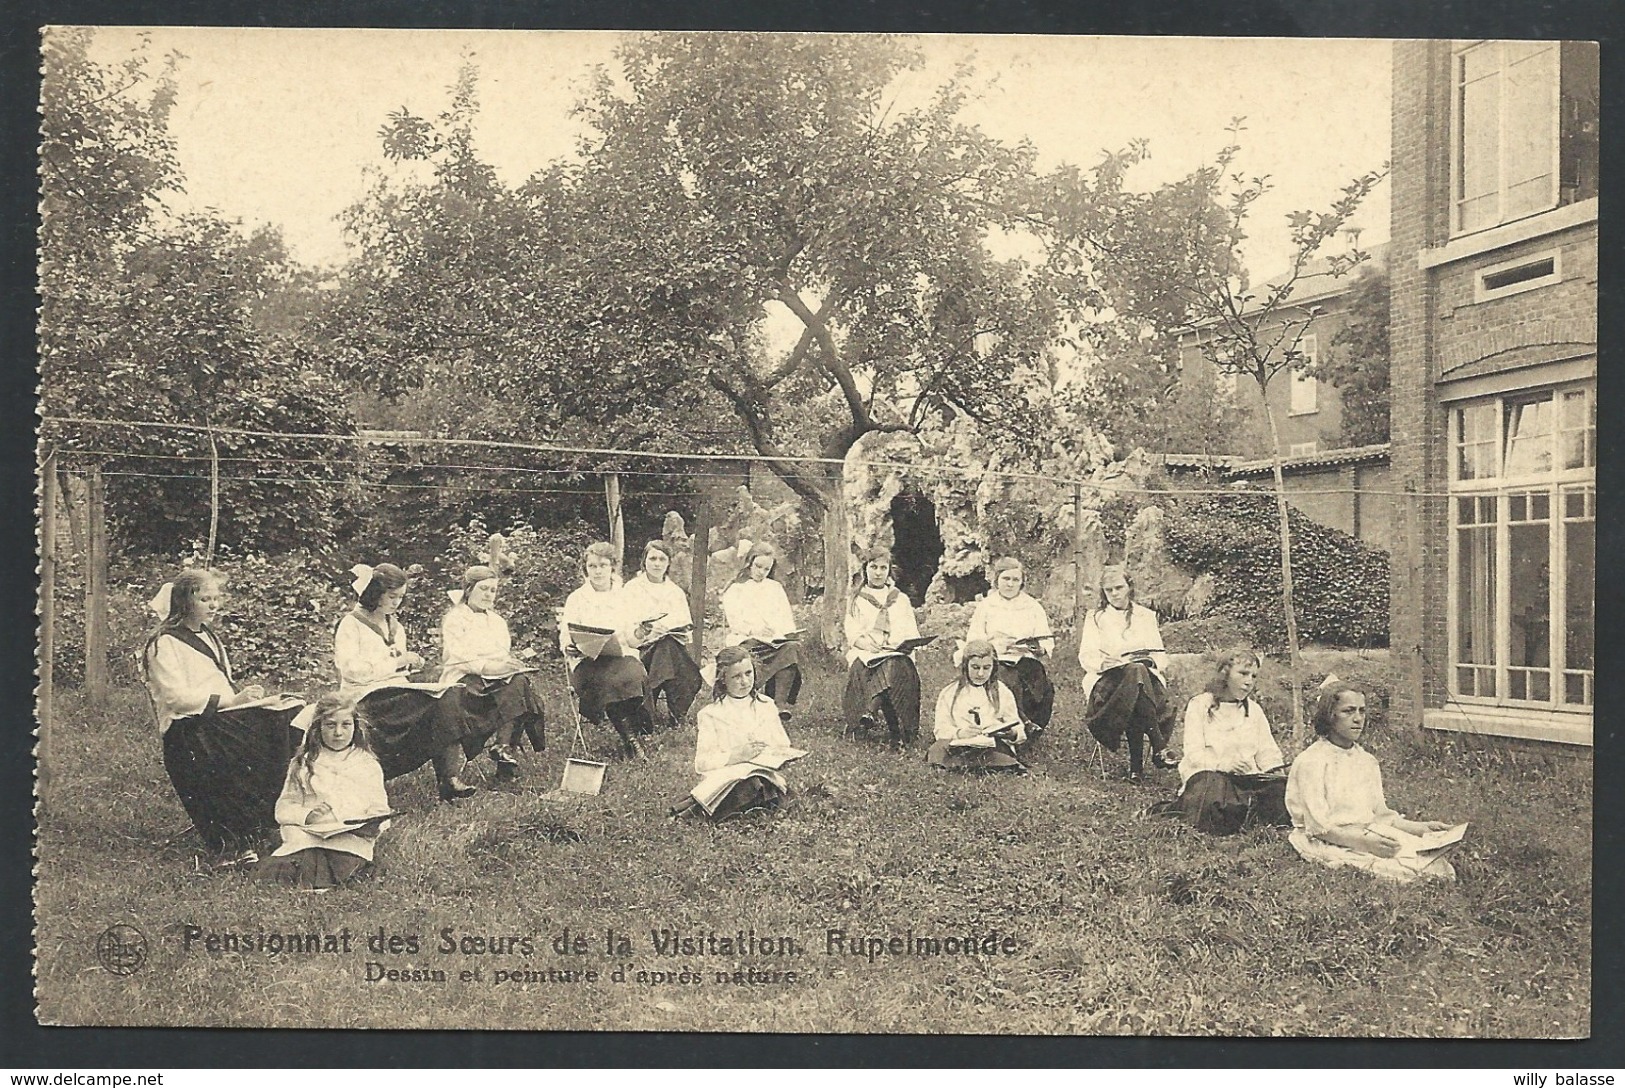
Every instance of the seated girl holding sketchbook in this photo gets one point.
(741, 745)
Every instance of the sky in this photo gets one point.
(279, 126)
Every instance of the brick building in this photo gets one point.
(1308, 412)
(1493, 272)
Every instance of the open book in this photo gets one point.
(594, 642)
(775, 643)
(328, 829)
(1427, 843)
(713, 786)
(285, 701)
(1142, 657)
(986, 738)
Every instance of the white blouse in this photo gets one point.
(1106, 635)
(351, 782)
(1234, 739)
(588, 607)
(365, 660)
(647, 599)
(185, 681)
(473, 642)
(861, 617)
(727, 724)
(971, 710)
(996, 618)
(758, 610)
(1332, 787)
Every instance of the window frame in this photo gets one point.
(1457, 84)
(1556, 483)
(1309, 349)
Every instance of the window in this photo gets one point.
(1305, 391)
(1524, 130)
(1303, 449)
(1523, 546)
(1523, 274)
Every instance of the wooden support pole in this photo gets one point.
(47, 622)
(96, 593)
(1079, 604)
(617, 527)
(699, 572)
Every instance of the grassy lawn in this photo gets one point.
(1122, 924)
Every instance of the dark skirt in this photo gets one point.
(890, 687)
(314, 867)
(1000, 758)
(1222, 804)
(750, 792)
(1130, 701)
(672, 670)
(778, 671)
(410, 727)
(1029, 682)
(604, 682)
(228, 768)
(508, 708)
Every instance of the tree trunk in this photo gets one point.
(699, 573)
(837, 569)
(47, 623)
(96, 593)
(1286, 571)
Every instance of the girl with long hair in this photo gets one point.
(225, 756)
(882, 681)
(664, 633)
(737, 728)
(1017, 626)
(1124, 666)
(977, 725)
(333, 803)
(609, 681)
(1232, 770)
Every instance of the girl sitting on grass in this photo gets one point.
(740, 746)
(1339, 814)
(1231, 773)
(979, 713)
(332, 804)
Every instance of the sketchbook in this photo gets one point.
(1419, 845)
(594, 642)
(328, 830)
(775, 643)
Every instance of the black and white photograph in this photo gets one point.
(700, 531)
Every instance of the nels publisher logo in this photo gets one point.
(121, 949)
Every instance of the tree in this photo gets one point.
(1257, 332)
(728, 181)
(1357, 362)
(149, 315)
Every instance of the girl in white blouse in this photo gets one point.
(1340, 816)
(611, 684)
(737, 726)
(1232, 770)
(221, 752)
(979, 713)
(411, 726)
(881, 682)
(476, 650)
(1124, 673)
(334, 780)
(758, 614)
(1017, 626)
(665, 632)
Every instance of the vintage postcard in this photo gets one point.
(816, 533)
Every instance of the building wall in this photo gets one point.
(1439, 333)
(1352, 506)
(1322, 427)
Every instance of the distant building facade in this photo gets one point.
(1308, 412)
(1493, 279)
